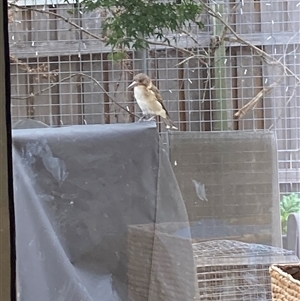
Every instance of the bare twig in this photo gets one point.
(191, 55)
(32, 95)
(40, 70)
(26, 68)
(191, 37)
(206, 82)
(180, 49)
(268, 58)
(199, 57)
(253, 102)
(67, 20)
(45, 89)
(21, 64)
(264, 56)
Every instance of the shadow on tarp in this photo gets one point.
(96, 210)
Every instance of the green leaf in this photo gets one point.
(289, 204)
(70, 12)
(117, 56)
(135, 19)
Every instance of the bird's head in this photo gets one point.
(140, 79)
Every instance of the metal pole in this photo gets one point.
(220, 116)
(142, 63)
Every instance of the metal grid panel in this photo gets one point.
(232, 270)
(59, 72)
(229, 184)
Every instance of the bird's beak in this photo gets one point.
(132, 84)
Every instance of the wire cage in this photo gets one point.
(232, 270)
(223, 269)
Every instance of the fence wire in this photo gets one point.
(62, 73)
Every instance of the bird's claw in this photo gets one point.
(152, 118)
(142, 118)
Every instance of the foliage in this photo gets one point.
(117, 56)
(289, 204)
(132, 22)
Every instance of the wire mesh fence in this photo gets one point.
(63, 73)
(244, 278)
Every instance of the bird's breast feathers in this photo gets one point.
(147, 101)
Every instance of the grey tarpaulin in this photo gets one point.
(88, 202)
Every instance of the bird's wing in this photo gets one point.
(157, 95)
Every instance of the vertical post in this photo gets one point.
(142, 64)
(140, 61)
(144, 60)
(7, 223)
(220, 122)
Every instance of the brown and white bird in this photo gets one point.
(149, 99)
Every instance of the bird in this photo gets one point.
(149, 99)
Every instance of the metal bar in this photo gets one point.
(220, 106)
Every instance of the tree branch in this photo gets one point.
(262, 53)
(67, 20)
(264, 56)
(40, 70)
(253, 102)
(191, 55)
(32, 95)
(180, 49)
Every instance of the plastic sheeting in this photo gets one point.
(96, 211)
(229, 182)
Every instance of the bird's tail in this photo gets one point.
(169, 123)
